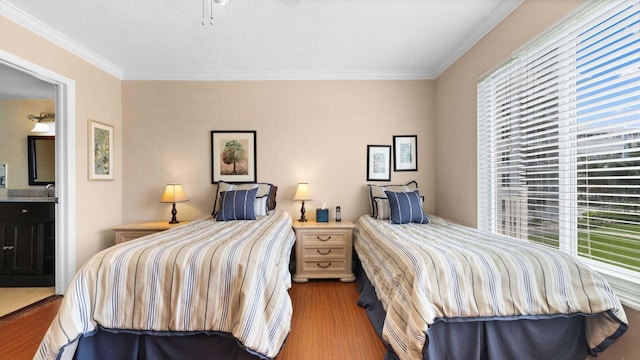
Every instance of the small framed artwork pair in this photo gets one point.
(405, 157)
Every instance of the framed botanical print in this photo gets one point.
(378, 163)
(405, 153)
(233, 156)
(101, 148)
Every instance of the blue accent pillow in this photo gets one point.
(237, 205)
(406, 207)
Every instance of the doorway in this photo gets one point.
(65, 209)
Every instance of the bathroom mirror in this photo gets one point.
(42, 160)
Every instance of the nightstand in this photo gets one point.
(323, 250)
(132, 231)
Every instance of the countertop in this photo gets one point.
(29, 195)
(27, 199)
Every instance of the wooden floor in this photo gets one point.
(22, 331)
(327, 324)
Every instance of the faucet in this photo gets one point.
(49, 187)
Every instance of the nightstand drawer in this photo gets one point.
(132, 231)
(314, 238)
(316, 252)
(123, 236)
(320, 266)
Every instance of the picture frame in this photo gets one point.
(233, 156)
(405, 153)
(378, 162)
(3, 176)
(101, 150)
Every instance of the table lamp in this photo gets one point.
(303, 193)
(173, 194)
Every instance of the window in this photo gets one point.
(559, 142)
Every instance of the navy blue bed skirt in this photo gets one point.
(560, 338)
(107, 344)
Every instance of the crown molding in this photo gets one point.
(271, 76)
(36, 26)
(489, 23)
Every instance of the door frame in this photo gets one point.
(65, 247)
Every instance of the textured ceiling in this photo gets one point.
(265, 39)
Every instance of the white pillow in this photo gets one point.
(260, 205)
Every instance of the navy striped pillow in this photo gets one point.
(237, 205)
(406, 207)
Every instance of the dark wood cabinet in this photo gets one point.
(27, 244)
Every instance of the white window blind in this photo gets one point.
(559, 140)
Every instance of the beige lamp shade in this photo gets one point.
(303, 192)
(173, 193)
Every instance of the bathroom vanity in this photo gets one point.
(27, 241)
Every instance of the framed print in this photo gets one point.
(233, 156)
(100, 151)
(3, 175)
(378, 163)
(405, 153)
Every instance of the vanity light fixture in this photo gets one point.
(173, 194)
(40, 126)
(303, 193)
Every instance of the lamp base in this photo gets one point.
(174, 212)
(302, 211)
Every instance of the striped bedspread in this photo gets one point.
(229, 277)
(423, 273)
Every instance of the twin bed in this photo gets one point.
(209, 289)
(434, 289)
(216, 288)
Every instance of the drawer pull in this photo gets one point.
(24, 211)
(321, 239)
(324, 253)
(325, 266)
(7, 248)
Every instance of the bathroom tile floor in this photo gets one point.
(15, 298)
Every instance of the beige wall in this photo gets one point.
(456, 154)
(14, 129)
(99, 97)
(315, 131)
